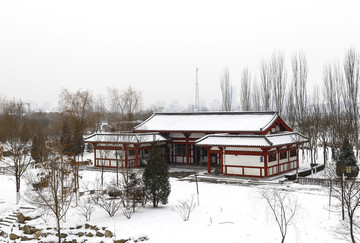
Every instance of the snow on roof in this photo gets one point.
(124, 137)
(209, 121)
(243, 140)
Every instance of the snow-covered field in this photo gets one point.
(227, 213)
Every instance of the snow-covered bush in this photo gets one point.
(86, 207)
(110, 205)
(185, 207)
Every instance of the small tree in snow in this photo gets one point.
(58, 194)
(346, 191)
(282, 207)
(349, 196)
(156, 178)
(110, 205)
(109, 199)
(86, 207)
(132, 191)
(185, 207)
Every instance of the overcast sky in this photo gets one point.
(155, 46)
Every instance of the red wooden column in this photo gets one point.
(221, 159)
(278, 159)
(288, 156)
(187, 135)
(166, 153)
(265, 162)
(126, 155)
(208, 159)
(136, 155)
(95, 147)
(297, 156)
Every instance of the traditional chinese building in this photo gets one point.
(258, 144)
(124, 149)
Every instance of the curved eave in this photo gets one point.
(264, 141)
(200, 131)
(273, 123)
(248, 146)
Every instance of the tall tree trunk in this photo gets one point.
(58, 229)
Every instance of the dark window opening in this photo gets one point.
(272, 157)
(283, 155)
(180, 149)
(293, 153)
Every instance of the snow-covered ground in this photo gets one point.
(227, 213)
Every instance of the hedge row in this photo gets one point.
(306, 172)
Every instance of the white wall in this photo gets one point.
(243, 160)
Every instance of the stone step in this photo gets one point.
(10, 219)
(7, 221)
(4, 224)
(11, 216)
(27, 208)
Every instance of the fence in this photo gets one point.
(306, 172)
(321, 181)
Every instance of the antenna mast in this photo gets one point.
(197, 103)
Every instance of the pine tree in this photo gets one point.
(156, 178)
(346, 164)
(38, 147)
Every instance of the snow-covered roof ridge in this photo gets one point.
(216, 113)
(124, 137)
(252, 140)
(217, 122)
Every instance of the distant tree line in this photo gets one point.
(26, 136)
(329, 115)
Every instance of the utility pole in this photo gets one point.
(197, 102)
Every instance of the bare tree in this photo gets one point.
(299, 103)
(283, 208)
(324, 131)
(347, 195)
(290, 108)
(265, 85)
(86, 207)
(78, 106)
(256, 96)
(133, 101)
(100, 111)
(351, 203)
(58, 194)
(351, 91)
(333, 83)
(15, 136)
(226, 90)
(185, 207)
(245, 90)
(110, 205)
(299, 81)
(278, 80)
(77, 116)
(105, 155)
(126, 105)
(310, 124)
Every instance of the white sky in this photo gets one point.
(155, 46)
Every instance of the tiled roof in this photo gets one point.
(127, 137)
(209, 122)
(243, 140)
